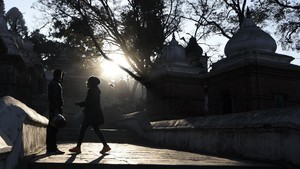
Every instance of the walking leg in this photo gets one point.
(106, 147)
(99, 134)
(83, 128)
(77, 149)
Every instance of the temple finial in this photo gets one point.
(248, 13)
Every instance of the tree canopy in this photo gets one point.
(50, 51)
(286, 15)
(223, 18)
(96, 25)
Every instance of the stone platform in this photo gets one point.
(135, 156)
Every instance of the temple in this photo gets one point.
(21, 72)
(251, 77)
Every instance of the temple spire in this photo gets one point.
(1, 6)
(248, 13)
(3, 24)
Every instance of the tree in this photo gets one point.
(286, 15)
(48, 50)
(223, 17)
(51, 51)
(16, 22)
(138, 28)
(214, 18)
(145, 30)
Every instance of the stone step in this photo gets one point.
(138, 157)
(139, 166)
(128, 151)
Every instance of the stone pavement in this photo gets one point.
(124, 155)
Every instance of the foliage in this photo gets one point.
(209, 17)
(75, 37)
(140, 21)
(96, 25)
(50, 51)
(286, 15)
(222, 17)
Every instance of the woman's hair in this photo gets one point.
(94, 80)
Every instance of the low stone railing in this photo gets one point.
(22, 132)
(267, 135)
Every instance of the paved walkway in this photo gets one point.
(134, 156)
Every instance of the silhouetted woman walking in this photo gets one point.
(93, 115)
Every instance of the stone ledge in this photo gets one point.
(23, 129)
(11, 104)
(5, 143)
(269, 135)
(286, 117)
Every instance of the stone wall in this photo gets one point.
(22, 130)
(171, 94)
(248, 83)
(267, 135)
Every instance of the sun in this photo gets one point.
(110, 70)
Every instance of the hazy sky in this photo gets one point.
(32, 23)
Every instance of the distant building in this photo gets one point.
(251, 77)
(21, 72)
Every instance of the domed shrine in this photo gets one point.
(176, 59)
(174, 85)
(251, 77)
(249, 37)
(251, 44)
(174, 54)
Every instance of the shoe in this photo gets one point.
(75, 150)
(57, 151)
(105, 149)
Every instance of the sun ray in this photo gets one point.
(110, 70)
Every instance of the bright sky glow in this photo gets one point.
(110, 71)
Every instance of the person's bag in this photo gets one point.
(58, 121)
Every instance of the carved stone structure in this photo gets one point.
(251, 77)
(174, 86)
(21, 71)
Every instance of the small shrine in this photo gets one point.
(174, 87)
